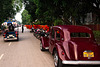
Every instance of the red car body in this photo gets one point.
(72, 45)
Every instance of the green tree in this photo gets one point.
(26, 17)
(8, 9)
(47, 11)
(31, 8)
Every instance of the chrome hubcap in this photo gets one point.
(55, 59)
(40, 45)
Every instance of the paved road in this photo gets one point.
(24, 53)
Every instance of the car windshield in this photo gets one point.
(80, 35)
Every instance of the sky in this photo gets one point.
(18, 16)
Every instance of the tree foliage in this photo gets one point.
(48, 11)
(26, 17)
(8, 9)
(31, 8)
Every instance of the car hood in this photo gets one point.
(75, 50)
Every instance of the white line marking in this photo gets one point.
(1, 56)
(9, 44)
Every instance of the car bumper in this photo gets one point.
(81, 62)
(15, 38)
(46, 48)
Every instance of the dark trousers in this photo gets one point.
(22, 30)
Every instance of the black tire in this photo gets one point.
(17, 38)
(57, 61)
(41, 47)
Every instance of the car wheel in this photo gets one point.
(5, 40)
(57, 61)
(41, 47)
(17, 38)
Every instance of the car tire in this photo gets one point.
(41, 47)
(57, 60)
(17, 38)
(5, 40)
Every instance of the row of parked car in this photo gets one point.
(70, 45)
(38, 33)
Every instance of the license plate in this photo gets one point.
(88, 54)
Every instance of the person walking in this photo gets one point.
(22, 28)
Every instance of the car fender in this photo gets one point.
(64, 51)
(99, 46)
(42, 41)
(61, 52)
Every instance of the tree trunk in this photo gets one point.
(66, 21)
(73, 21)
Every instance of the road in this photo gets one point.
(24, 53)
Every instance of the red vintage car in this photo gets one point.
(72, 45)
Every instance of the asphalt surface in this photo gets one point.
(24, 53)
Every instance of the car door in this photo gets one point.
(58, 38)
(52, 40)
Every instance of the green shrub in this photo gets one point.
(58, 22)
(96, 33)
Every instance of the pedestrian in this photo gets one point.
(22, 28)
